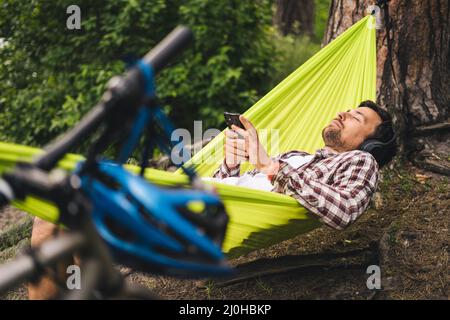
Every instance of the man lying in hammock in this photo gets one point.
(336, 183)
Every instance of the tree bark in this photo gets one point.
(295, 17)
(413, 58)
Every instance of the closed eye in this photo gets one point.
(356, 118)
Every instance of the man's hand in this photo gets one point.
(248, 147)
(235, 149)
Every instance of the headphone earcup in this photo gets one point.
(375, 148)
(370, 145)
(379, 150)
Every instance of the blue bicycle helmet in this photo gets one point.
(169, 231)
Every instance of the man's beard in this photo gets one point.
(332, 138)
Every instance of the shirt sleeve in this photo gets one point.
(224, 172)
(337, 204)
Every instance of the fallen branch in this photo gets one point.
(432, 166)
(424, 130)
(287, 264)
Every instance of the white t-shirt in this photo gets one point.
(260, 180)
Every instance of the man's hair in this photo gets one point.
(384, 132)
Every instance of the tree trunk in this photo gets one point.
(295, 17)
(413, 58)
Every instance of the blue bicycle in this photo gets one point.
(112, 214)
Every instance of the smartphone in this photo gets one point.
(233, 118)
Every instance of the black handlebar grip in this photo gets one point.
(5, 193)
(3, 200)
(172, 44)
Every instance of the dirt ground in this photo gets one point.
(405, 232)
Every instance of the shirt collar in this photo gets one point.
(325, 153)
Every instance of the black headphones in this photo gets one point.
(378, 149)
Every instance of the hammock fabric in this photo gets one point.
(337, 78)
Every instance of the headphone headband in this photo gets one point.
(384, 144)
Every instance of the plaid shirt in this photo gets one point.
(337, 187)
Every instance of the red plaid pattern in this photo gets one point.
(337, 187)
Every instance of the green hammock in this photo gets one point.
(338, 77)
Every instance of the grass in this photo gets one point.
(264, 286)
(19, 292)
(18, 231)
(443, 186)
(392, 233)
(11, 252)
(209, 288)
(406, 181)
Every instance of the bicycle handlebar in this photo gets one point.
(3, 200)
(165, 51)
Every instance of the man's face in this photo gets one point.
(349, 129)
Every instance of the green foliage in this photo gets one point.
(321, 18)
(293, 51)
(50, 76)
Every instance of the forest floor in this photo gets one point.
(405, 232)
